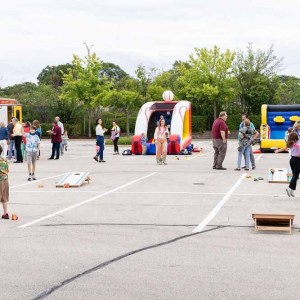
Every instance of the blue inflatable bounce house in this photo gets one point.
(275, 121)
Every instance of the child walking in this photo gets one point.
(4, 186)
(32, 149)
(64, 143)
(293, 144)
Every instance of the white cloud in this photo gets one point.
(155, 33)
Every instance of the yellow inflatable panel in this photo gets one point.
(272, 144)
(294, 118)
(279, 119)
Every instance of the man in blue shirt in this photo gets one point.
(244, 117)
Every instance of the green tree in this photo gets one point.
(207, 78)
(145, 78)
(113, 72)
(257, 81)
(84, 85)
(289, 90)
(53, 75)
(124, 101)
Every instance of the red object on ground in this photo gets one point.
(136, 145)
(256, 151)
(173, 147)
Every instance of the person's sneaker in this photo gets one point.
(244, 167)
(102, 160)
(96, 158)
(221, 168)
(50, 158)
(290, 192)
(6, 216)
(33, 176)
(253, 168)
(237, 169)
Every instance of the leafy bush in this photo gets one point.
(122, 141)
(199, 124)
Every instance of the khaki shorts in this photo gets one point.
(31, 157)
(4, 190)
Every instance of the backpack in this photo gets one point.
(127, 152)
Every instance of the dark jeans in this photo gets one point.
(295, 166)
(18, 141)
(116, 148)
(220, 152)
(55, 149)
(100, 142)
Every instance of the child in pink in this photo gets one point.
(293, 144)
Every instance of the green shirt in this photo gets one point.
(3, 169)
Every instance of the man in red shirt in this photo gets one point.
(55, 140)
(219, 134)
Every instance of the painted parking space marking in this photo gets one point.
(86, 201)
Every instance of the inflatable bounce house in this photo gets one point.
(178, 117)
(275, 121)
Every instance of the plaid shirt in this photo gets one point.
(3, 169)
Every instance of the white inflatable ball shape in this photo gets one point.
(168, 95)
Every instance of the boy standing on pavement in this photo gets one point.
(32, 149)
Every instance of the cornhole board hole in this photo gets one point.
(273, 222)
(280, 175)
(73, 179)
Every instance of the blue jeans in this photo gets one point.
(246, 151)
(11, 148)
(100, 142)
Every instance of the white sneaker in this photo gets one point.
(290, 192)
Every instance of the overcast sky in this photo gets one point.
(37, 33)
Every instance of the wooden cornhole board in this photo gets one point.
(73, 179)
(273, 222)
(280, 175)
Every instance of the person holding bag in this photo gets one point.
(246, 135)
(115, 135)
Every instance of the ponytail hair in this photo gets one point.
(292, 139)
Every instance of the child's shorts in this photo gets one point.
(31, 157)
(4, 190)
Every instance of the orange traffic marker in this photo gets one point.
(14, 217)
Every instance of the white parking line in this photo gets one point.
(35, 181)
(259, 157)
(217, 208)
(86, 201)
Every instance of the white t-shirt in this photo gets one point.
(99, 130)
(61, 125)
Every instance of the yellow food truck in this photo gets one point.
(10, 108)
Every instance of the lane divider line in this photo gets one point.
(217, 208)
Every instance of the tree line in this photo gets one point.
(235, 81)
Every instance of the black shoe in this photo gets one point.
(29, 179)
(56, 158)
(102, 160)
(221, 168)
(50, 158)
(244, 167)
(253, 168)
(96, 158)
